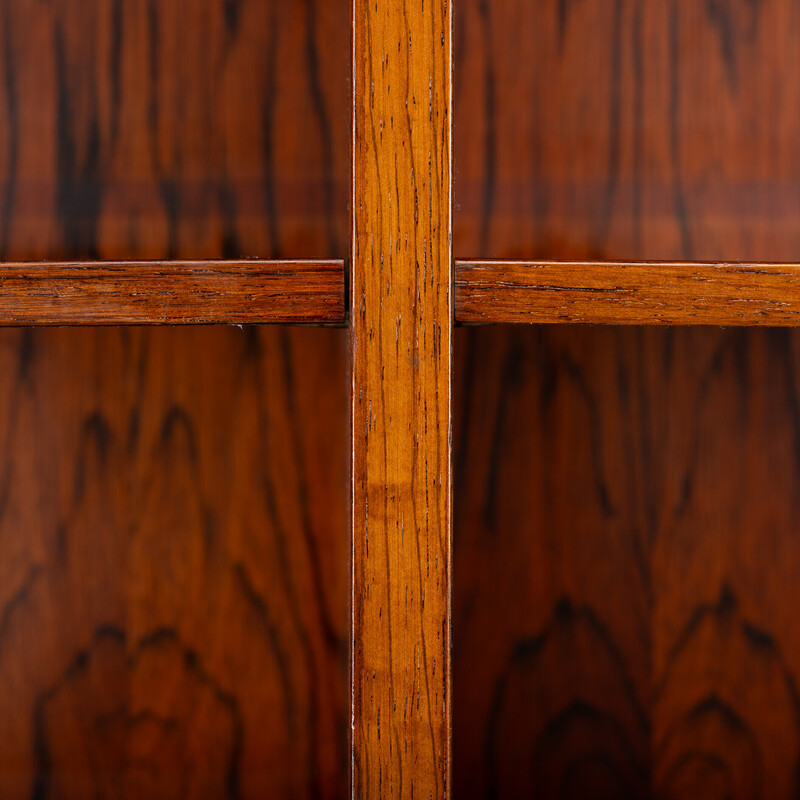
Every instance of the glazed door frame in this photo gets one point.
(406, 293)
(401, 326)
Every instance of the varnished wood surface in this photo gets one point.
(626, 563)
(173, 539)
(180, 129)
(625, 559)
(643, 293)
(627, 130)
(172, 292)
(401, 323)
(173, 563)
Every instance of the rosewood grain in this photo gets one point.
(181, 129)
(627, 130)
(173, 563)
(401, 322)
(628, 294)
(173, 502)
(172, 292)
(626, 562)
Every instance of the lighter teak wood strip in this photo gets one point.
(172, 292)
(402, 328)
(610, 293)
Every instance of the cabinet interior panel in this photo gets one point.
(625, 553)
(173, 563)
(627, 129)
(626, 563)
(173, 503)
(142, 129)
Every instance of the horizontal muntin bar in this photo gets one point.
(172, 292)
(627, 293)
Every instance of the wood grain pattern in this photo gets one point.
(173, 563)
(172, 292)
(625, 548)
(626, 563)
(627, 130)
(643, 293)
(401, 324)
(173, 129)
(173, 503)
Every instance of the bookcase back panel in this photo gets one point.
(173, 502)
(174, 128)
(173, 563)
(625, 551)
(627, 129)
(626, 563)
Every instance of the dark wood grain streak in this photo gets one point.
(644, 293)
(186, 129)
(173, 563)
(625, 130)
(173, 502)
(401, 324)
(172, 292)
(626, 563)
(625, 549)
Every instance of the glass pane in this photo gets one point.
(626, 563)
(174, 563)
(173, 502)
(174, 129)
(627, 130)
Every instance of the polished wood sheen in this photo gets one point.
(626, 499)
(179, 129)
(626, 563)
(174, 558)
(614, 293)
(401, 322)
(172, 292)
(173, 563)
(627, 130)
